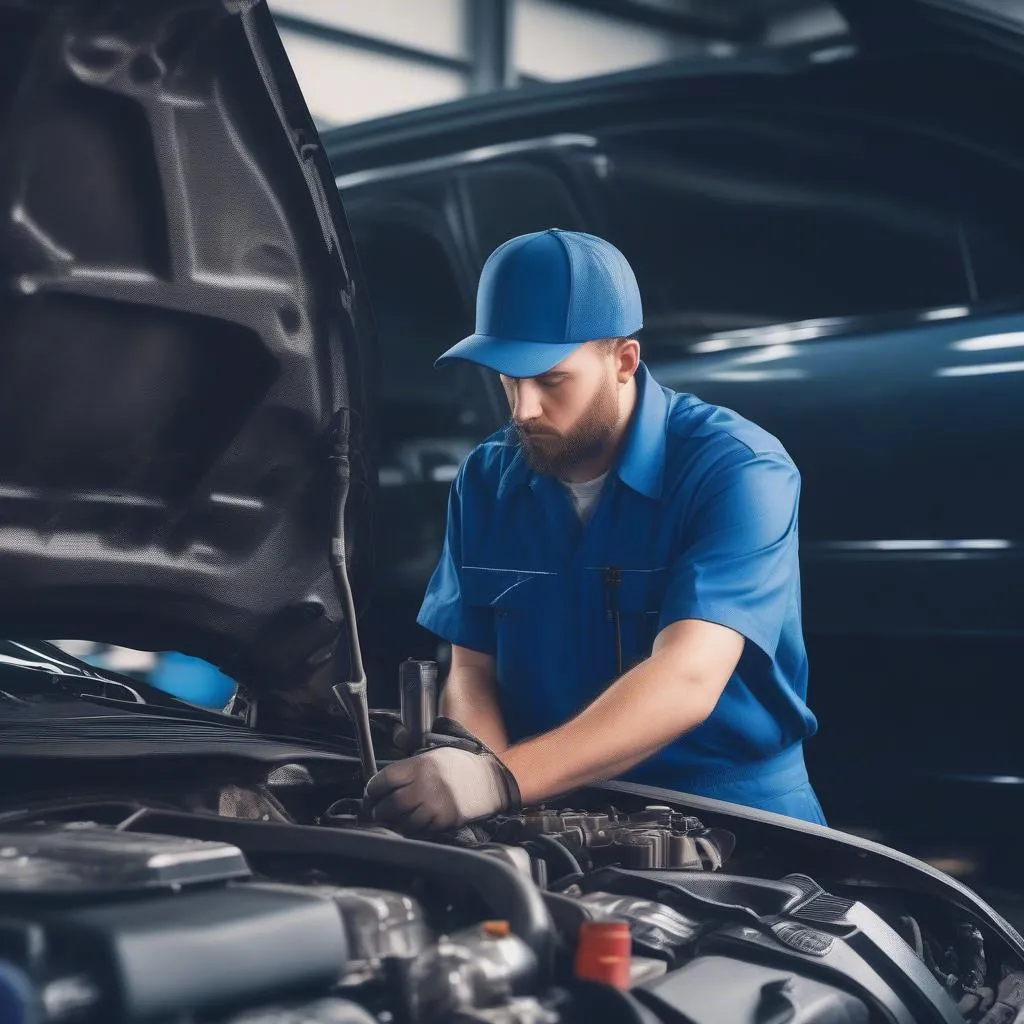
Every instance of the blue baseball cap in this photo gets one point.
(544, 294)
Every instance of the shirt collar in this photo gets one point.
(518, 471)
(641, 464)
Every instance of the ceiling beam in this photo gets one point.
(489, 34)
(700, 19)
(329, 34)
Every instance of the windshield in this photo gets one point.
(796, 219)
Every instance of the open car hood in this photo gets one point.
(180, 328)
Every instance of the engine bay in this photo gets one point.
(121, 912)
(251, 886)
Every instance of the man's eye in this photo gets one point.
(551, 382)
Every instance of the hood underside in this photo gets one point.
(179, 328)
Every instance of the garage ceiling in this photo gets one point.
(729, 20)
(363, 59)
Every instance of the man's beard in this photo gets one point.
(553, 454)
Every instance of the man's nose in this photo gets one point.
(527, 402)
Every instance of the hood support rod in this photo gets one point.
(350, 693)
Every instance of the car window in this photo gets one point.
(420, 311)
(515, 197)
(431, 419)
(731, 225)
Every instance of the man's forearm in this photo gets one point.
(471, 698)
(647, 708)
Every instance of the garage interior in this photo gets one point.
(358, 62)
(649, 659)
(364, 60)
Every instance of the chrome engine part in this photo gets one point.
(655, 838)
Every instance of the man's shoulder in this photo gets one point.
(488, 462)
(716, 434)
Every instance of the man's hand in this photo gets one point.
(442, 788)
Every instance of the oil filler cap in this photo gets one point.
(603, 952)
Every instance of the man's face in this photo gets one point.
(568, 416)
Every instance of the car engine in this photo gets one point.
(134, 914)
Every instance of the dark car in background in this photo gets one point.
(830, 240)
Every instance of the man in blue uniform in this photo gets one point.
(619, 580)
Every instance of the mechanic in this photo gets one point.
(619, 580)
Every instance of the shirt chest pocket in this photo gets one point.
(527, 608)
(531, 619)
(633, 602)
(505, 591)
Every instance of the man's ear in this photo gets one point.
(627, 359)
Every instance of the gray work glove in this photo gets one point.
(456, 781)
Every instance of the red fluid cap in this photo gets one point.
(602, 952)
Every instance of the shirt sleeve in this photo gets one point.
(445, 610)
(739, 561)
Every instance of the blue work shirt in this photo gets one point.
(697, 520)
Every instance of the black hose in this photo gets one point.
(502, 890)
(559, 859)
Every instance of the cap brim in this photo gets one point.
(512, 358)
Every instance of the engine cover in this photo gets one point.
(791, 926)
(712, 989)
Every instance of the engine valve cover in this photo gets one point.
(655, 838)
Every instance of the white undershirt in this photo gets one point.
(584, 495)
